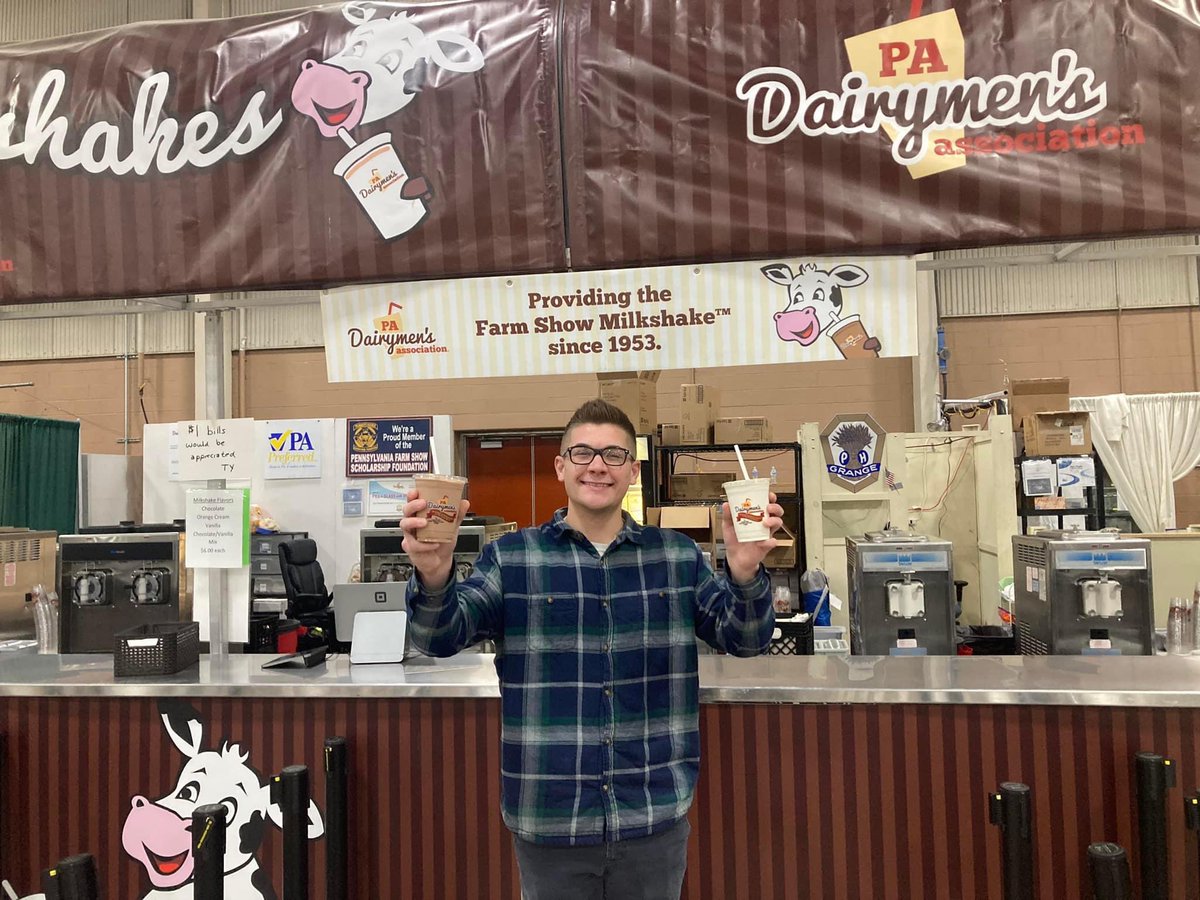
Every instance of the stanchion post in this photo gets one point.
(74, 878)
(1155, 776)
(208, 852)
(1011, 809)
(290, 790)
(1110, 872)
(336, 819)
(1191, 817)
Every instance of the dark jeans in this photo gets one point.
(639, 869)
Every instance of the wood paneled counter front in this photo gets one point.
(824, 776)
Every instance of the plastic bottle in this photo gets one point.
(1196, 619)
(774, 474)
(1179, 637)
(813, 583)
(754, 471)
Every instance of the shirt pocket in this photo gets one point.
(554, 623)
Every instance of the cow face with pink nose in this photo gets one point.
(814, 298)
(157, 833)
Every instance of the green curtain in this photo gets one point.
(39, 473)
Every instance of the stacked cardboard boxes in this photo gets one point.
(635, 394)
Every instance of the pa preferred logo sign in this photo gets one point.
(853, 447)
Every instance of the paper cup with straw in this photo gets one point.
(748, 501)
(444, 495)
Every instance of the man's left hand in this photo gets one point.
(743, 560)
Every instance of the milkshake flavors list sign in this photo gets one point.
(735, 314)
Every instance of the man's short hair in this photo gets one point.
(601, 412)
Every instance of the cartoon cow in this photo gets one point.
(157, 833)
(815, 308)
(376, 74)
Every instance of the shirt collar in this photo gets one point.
(630, 530)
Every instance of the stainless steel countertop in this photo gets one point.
(1049, 681)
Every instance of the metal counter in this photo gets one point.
(1048, 681)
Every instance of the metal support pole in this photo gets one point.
(208, 851)
(290, 790)
(74, 878)
(1110, 872)
(1155, 776)
(336, 819)
(1012, 810)
(214, 408)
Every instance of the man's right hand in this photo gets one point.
(433, 562)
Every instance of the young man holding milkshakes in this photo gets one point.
(595, 620)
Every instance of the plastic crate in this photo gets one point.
(162, 649)
(795, 639)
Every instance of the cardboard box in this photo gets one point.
(635, 394)
(1058, 434)
(701, 486)
(1035, 395)
(670, 434)
(784, 555)
(698, 404)
(701, 523)
(742, 430)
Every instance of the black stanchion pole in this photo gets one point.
(1191, 816)
(74, 878)
(290, 790)
(1155, 776)
(1010, 808)
(208, 852)
(1110, 872)
(336, 819)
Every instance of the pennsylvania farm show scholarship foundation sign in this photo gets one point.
(736, 314)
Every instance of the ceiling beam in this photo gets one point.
(1042, 259)
(1067, 250)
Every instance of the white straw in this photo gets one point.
(433, 454)
(345, 136)
(741, 462)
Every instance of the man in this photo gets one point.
(595, 620)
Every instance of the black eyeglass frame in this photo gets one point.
(593, 452)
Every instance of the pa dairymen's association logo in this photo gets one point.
(909, 80)
(389, 331)
(373, 76)
(815, 307)
(853, 447)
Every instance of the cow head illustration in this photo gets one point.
(814, 298)
(157, 833)
(379, 71)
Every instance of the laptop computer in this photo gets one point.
(385, 596)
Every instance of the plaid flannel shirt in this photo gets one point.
(600, 736)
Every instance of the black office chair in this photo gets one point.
(308, 600)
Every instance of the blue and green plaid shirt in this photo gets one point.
(600, 693)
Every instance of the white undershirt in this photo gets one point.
(600, 548)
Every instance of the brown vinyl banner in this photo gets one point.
(353, 142)
(713, 131)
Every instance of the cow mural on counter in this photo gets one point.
(157, 833)
(815, 307)
(378, 72)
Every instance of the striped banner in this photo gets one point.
(674, 317)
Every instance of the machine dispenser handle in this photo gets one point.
(906, 599)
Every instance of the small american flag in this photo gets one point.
(892, 483)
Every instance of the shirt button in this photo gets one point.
(549, 599)
(662, 593)
(604, 787)
(604, 603)
(607, 647)
(607, 741)
(608, 692)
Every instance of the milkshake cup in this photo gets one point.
(748, 501)
(444, 494)
(373, 173)
(850, 336)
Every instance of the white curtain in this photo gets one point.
(1147, 442)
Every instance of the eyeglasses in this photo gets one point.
(582, 455)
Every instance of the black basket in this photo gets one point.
(795, 639)
(162, 649)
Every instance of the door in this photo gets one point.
(512, 476)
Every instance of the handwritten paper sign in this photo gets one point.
(220, 448)
(218, 529)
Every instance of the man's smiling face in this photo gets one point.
(597, 486)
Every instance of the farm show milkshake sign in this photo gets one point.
(737, 314)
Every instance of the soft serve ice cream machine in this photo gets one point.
(902, 594)
(1082, 592)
